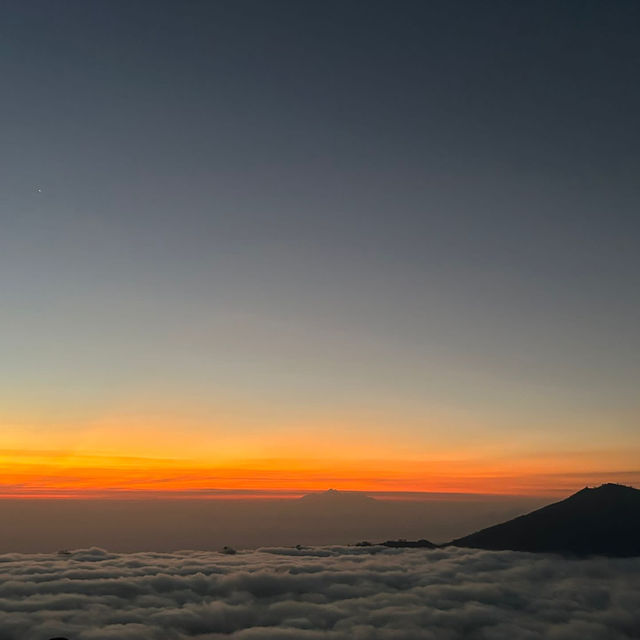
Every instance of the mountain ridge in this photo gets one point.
(602, 520)
(336, 496)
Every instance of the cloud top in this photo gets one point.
(328, 593)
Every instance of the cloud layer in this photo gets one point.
(328, 593)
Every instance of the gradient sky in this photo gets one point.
(293, 245)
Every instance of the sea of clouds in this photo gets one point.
(328, 593)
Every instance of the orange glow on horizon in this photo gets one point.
(67, 475)
(241, 451)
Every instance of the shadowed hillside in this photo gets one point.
(603, 520)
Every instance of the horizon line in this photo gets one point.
(111, 494)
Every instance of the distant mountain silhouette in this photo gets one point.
(333, 497)
(409, 544)
(603, 521)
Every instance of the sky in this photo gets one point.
(284, 246)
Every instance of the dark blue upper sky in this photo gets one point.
(425, 204)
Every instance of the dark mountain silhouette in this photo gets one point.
(335, 498)
(599, 521)
(409, 544)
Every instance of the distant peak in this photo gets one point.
(337, 495)
(608, 487)
(335, 492)
(614, 486)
